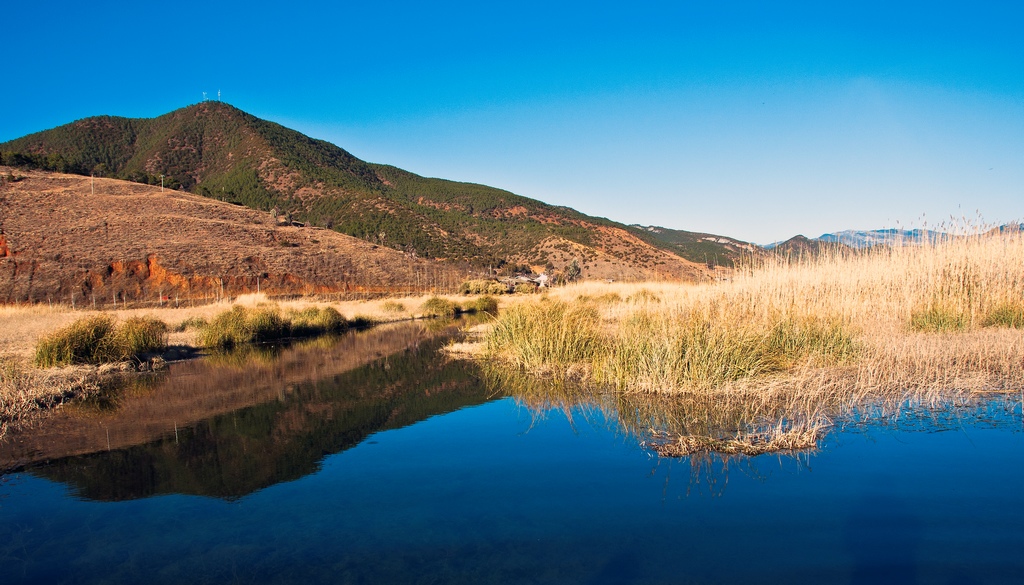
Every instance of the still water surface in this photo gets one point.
(372, 459)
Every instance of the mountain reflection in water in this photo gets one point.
(236, 423)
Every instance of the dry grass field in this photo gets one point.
(771, 358)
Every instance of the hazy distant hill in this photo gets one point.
(218, 151)
(867, 238)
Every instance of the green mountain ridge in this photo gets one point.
(216, 150)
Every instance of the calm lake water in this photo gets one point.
(372, 459)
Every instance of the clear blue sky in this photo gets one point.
(754, 120)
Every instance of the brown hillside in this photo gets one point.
(61, 242)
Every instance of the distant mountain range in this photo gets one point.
(218, 151)
(867, 238)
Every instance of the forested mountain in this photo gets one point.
(215, 150)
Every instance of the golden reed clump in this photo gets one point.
(767, 359)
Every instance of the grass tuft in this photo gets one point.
(525, 288)
(938, 318)
(98, 339)
(1006, 315)
(77, 343)
(196, 323)
(317, 321)
(133, 337)
(485, 304)
(392, 307)
(643, 296)
(243, 325)
(439, 307)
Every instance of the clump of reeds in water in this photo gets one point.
(768, 359)
(709, 346)
(100, 339)
(668, 350)
(547, 334)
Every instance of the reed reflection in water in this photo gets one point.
(714, 428)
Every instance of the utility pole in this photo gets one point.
(93, 184)
(161, 183)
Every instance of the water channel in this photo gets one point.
(374, 458)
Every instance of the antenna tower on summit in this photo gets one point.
(204, 96)
(218, 95)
